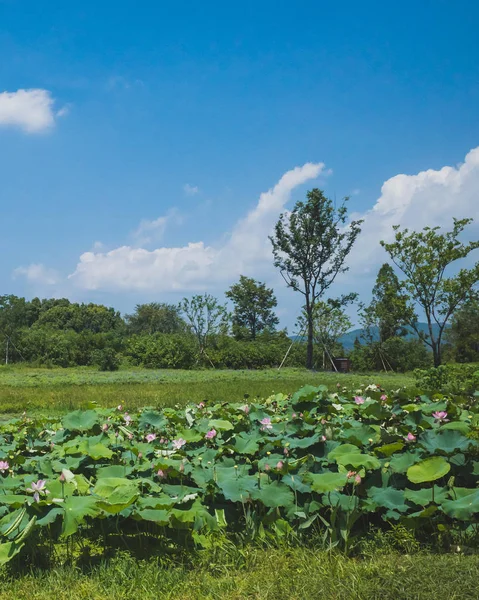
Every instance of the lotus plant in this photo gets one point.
(440, 416)
(37, 489)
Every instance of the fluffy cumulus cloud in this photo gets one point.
(196, 265)
(37, 273)
(29, 110)
(429, 198)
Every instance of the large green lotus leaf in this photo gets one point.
(202, 476)
(80, 420)
(156, 502)
(306, 394)
(160, 517)
(460, 426)
(75, 510)
(446, 441)
(390, 449)
(221, 425)
(14, 500)
(296, 483)
(428, 470)
(8, 550)
(362, 435)
(326, 482)
(246, 443)
(387, 497)
(350, 455)
(197, 514)
(179, 492)
(58, 489)
(305, 442)
(153, 419)
(111, 471)
(424, 497)
(50, 517)
(401, 462)
(117, 493)
(463, 508)
(274, 495)
(235, 484)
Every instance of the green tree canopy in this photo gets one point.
(310, 246)
(155, 317)
(253, 308)
(423, 258)
(463, 334)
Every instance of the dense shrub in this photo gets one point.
(452, 379)
(106, 359)
(396, 353)
(162, 351)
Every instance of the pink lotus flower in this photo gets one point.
(4, 466)
(357, 479)
(120, 407)
(323, 421)
(266, 423)
(211, 434)
(151, 437)
(323, 438)
(62, 477)
(104, 427)
(286, 452)
(161, 474)
(293, 416)
(351, 474)
(140, 454)
(338, 385)
(163, 441)
(359, 399)
(37, 489)
(267, 467)
(201, 405)
(178, 444)
(130, 436)
(440, 415)
(127, 418)
(245, 409)
(384, 397)
(279, 465)
(410, 437)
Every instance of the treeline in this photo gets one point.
(310, 247)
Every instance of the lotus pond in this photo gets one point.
(307, 465)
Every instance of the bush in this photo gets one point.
(162, 351)
(397, 353)
(457, 379)
(106, 359)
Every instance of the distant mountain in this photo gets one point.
(347, 340)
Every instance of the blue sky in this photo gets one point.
(143, 128)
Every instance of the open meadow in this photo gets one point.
(235, 484)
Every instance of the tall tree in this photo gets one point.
(423, 257)
(310, 246)
(390, 309)
(253, 308)
(463, 334)
(155, 317)
(206, 317)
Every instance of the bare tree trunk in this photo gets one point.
(309, 349)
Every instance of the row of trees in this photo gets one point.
(310, 247)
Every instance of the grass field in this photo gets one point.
(60, 390)
(285, 574)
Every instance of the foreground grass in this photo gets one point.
(295, 574)
(60, 390)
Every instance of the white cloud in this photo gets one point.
(37, 273)
(195, 266)
(153, 231)
(190, 190)
(30, 110)
(430, 198)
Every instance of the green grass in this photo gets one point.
(294, 574)
(60, 390)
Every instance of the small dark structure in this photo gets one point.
(343, 365)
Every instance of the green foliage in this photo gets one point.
(162, 351)
(155, 317)
(463, 334)
(452, 379)
(423, 257)
(310, 246)
(253, 308)
(313, 462)
(106, 359)
(206, 318)
(396, 353)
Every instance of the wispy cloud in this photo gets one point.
(29, 110)
(37, 273)
(154, 230)
(190, 190)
